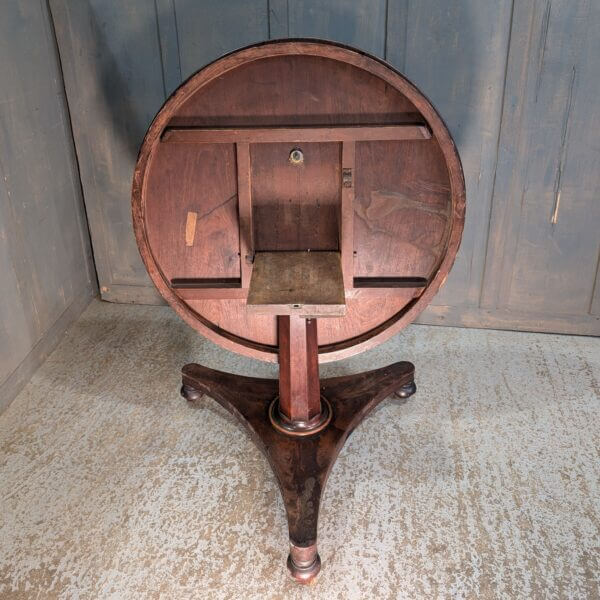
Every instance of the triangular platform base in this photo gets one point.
(301, 464)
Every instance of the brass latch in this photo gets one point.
(347, 178)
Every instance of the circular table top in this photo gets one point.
(298, 146)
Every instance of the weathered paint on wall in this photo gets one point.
(516, 81)
(46, 270)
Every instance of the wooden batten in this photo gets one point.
(295, 134)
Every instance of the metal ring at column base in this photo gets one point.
(300, 428)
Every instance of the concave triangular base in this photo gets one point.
(301, 464)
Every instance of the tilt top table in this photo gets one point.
(300, 202)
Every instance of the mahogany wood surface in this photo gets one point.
(299, 394)
(335, 133)
(296, 207)
(393, 208)
(301, 464)
(289, 181)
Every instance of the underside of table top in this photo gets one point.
(291, 149)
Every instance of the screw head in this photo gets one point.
(296, 156)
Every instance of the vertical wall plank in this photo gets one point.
(544, 242)
(360, 23)
(396, 35)
(168, 36)
(595, 302)
(45, 258)
(279, 24)
(208, 30)
(111, 60)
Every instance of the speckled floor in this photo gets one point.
(485, 484)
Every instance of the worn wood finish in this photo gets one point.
(99, 61)
(295, 207)
(319, 209)
(401, 202)
(303, 284)
(203, 181)
(467, 77)
(299, 393)
(337, 133)
(244, 197)
(544, 243)
(46, 272)
(347, 213)
(301, 464)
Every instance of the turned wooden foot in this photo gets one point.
(300, 463)
(407, 390)
(304, 562)
(190, 393)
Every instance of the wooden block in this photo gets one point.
(305, 284)
(331, 133)
(190, 228)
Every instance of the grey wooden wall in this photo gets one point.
(46, 271)
(517, 81)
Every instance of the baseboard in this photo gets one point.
(479, 318)
(131, 294)
(38, 354)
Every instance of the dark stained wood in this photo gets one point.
(204, 182)
(402, 213)
(299, 394)
(301, 464)
(408, 195)
(390, 282)
(199, 283)
(336, 133)
(307, 284)
(189, 294)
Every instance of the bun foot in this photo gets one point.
(407, 390)
(190, 394)
(304, 563)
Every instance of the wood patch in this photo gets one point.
(190, 228)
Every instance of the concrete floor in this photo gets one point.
(485, 484)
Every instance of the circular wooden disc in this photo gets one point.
(409, 195)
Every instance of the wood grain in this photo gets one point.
(296, 207)
(307, 284)
(251, 135)
(301, 465)
(46, 271)
(246, 225)
(299, 388)
(544, 245)
(403, 189)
